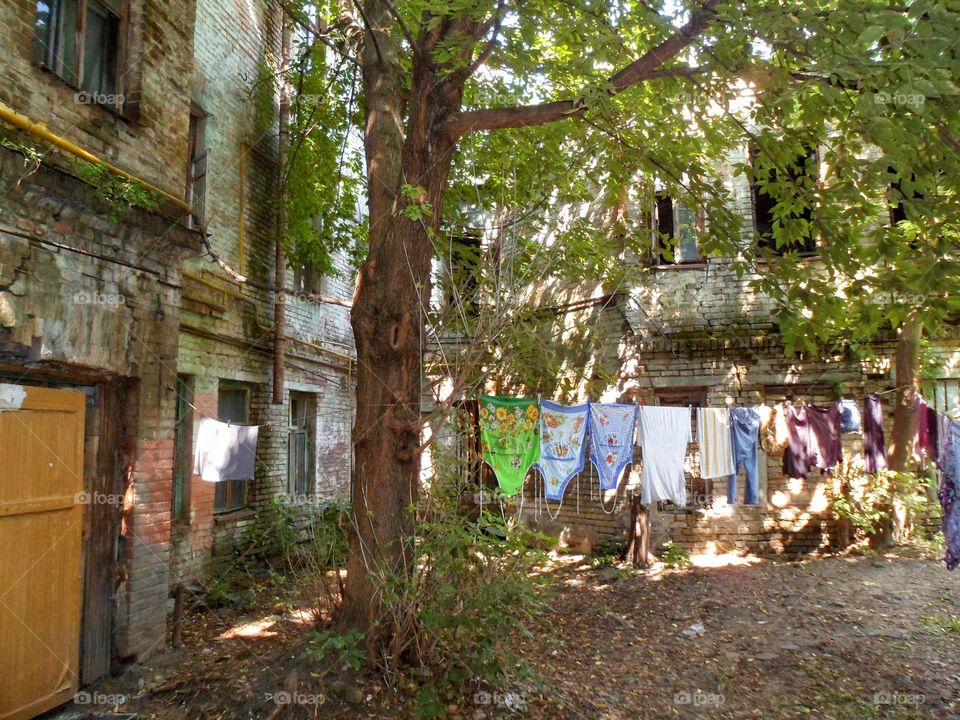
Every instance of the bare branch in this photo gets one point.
(391, 8)
(317, 35)
(646, 67)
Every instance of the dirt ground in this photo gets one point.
(837, 638)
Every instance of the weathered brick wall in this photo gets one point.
(102, 305)
(153, 144)
(226, 331)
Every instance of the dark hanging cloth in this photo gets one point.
(920, 408)
(825, 443)
(950, 492)
(796, 457)
(933, 433)
(874, 448)
(814, 432)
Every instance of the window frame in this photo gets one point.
(233, 495)
(692, 397)
(303, 429)
(661, 201)
(49, 56)
(197, 170)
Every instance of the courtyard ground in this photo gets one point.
(854, 637)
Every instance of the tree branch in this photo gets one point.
(646, 67)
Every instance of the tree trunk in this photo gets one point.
(900, 452)
(637, 547)
(392, 295)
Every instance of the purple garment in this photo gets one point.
(950, 493)
(814, 439)
(796, 457)
(825, 446)
(874, 448)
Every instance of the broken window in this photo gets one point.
(197, 171)
(80, 40)
(462, 278)
(233, 406)
(300, 445)
(805, 166)
(677, 229)
(306, 279)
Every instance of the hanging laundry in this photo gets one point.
(225, 451)
(814, 439)
(664, 436)
(933, 433)
(714, 437)
(825, 444)
(611, 440)
(562, 445)
(774, 433)
(874, 448)
(745, 434)
(510, 438)
(949, 493)
(849, 416)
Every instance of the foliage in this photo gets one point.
(119, 193)
(472, 590)
(944, 624)
(675, 556)
(866, 500)
(331, 650)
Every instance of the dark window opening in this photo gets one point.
(233, 406)
(197, 170)
(306, 279)
(301, 446)
(462, 280)
(764, 205)
(899, 197)
(182, 450)
(81, 41)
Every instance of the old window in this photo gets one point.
(461, 255)
(946, 394)
(301, 445)
(233, 405)
(306, 279)
(801, 171)
(197, 169)
(677, 229)
(81, 41)
(182, 450)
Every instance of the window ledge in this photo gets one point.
(224, 516)
(681, 266)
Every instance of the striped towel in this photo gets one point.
(716, 448)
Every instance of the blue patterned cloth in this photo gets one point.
(611, 440)
(563, 433)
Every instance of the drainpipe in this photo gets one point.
(280, 265)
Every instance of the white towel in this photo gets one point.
(225, 452)
(716, 446)
(664, 435)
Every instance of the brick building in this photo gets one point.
(121, 147)
(691, 331)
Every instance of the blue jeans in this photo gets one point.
(745, 432)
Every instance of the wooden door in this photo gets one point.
(41, 518)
